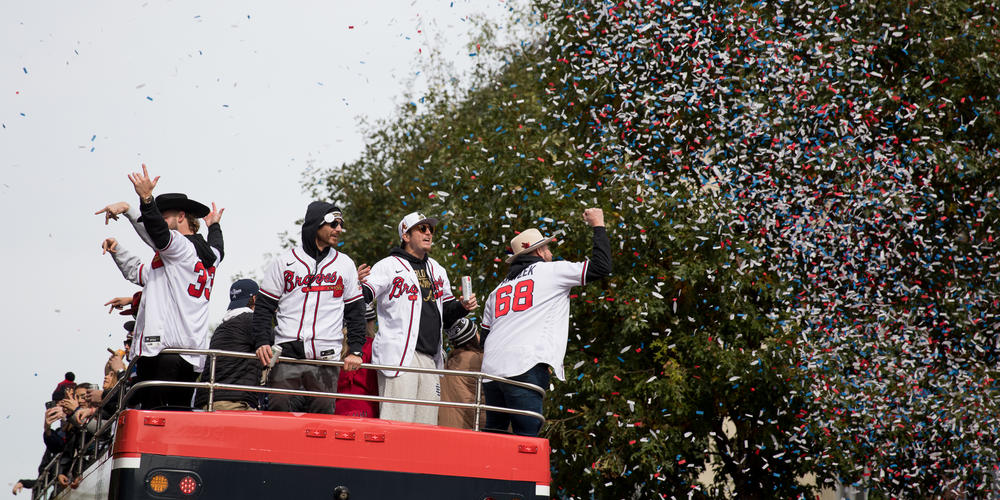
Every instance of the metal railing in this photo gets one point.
(88, 450)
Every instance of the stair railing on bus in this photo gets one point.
(89, 450)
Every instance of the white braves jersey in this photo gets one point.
(396, 289)
(311, 298)
(176, 287)
(528, 318)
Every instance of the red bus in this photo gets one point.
(154, 454)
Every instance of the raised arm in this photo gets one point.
(128, 264)
(112, 211)
(599, 266)
(215, 230)
(152, 219)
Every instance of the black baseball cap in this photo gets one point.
(241, 291)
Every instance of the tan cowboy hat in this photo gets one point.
(527, 242)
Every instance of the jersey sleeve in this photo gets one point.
(271, 284)
(352, 287)
(565, 274)
(487, 321)
(132, 214)
(178, 248)
(378, 280)
(129, 265)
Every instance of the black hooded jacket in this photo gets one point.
(264, 312)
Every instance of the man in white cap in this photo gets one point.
(414, 304)
(525, 323)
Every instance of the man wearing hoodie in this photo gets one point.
(414, 304)
(313, 293)
(526, 321)
(176, 286)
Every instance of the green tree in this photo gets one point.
(658, 354)
(800, 198)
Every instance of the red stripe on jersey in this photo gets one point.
(171, 240)
(139, 340)
(140, 274)
(318, 289)
(300, 260)
(331, 262)
(583, 276)
(409, 329)
(315, 315)
(401, 262)
(352, 299)
(269, 294)
(302, 318)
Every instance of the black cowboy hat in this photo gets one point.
(180, 201)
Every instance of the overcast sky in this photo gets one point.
(228, 101)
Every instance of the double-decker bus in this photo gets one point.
(162, 454)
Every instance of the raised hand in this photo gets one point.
(118, 303)
(213, 216)
(594, 217)
(53, 414)
(143, 184)
(112, 211)
(109, 245)
(116, 362)
(70, 404)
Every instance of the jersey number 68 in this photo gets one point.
(521, 298)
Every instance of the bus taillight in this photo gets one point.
(159, 483)
(165, 483)
(188, 485)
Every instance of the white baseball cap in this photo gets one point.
(527, 242)
(414, 219)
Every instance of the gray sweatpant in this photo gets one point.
(411, 386)
(306, 378)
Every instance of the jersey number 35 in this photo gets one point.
(205, 279)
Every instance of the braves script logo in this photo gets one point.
(399, 288)
(293, 281)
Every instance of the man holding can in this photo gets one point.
(415, 303)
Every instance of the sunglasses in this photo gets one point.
(334, 220)
(424, 228)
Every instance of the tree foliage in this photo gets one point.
(800, 199)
